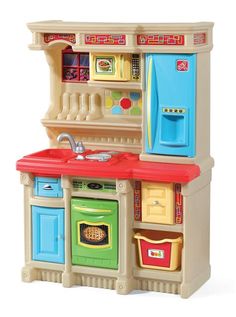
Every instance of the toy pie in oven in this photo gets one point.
(94, 234)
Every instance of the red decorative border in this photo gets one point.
(178, 204)
(137, 201)
(105, 39)
(199, 38)
(160, 39)
(50, 37)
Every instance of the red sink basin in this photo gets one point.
(52, 155)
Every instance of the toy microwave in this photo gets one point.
(115, 67)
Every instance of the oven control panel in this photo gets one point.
(92, 185)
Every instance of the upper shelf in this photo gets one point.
(115, 84)
(124, 37)
(131, 124)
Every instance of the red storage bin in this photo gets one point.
(159, 250)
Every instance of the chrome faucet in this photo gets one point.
(75, 147)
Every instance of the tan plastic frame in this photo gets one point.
(64, 114)
(129, 276)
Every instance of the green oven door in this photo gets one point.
(94, 228)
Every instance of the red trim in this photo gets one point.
(199, 38)
(137, 201)
(160, 39)
(105, 39)
(50, 37)
(178, 204)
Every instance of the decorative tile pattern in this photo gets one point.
(68, 37)
(199, 38)
(135, 96)
(116, 95)
(116, 110)
(127, 103)
(108, 102)
(105, 39)
(136, 111)
(160, 39)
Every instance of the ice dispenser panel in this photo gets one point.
(173, 127)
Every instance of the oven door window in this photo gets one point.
(94, 235)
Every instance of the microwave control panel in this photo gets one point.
(135, 66)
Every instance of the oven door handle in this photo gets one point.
(93, 211)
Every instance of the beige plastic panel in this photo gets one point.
(196, 251)
(131, 30)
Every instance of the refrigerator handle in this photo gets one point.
(152, 103)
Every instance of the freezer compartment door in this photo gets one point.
(170, 104)
(152, 103)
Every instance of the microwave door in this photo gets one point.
(152, 103)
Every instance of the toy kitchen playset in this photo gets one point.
(121, 199)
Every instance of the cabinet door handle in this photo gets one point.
(152, 103)
(47, 187)
(149, 92)
(157, 203)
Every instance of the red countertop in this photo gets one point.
(121, 166)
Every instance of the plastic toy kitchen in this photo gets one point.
(121, 198)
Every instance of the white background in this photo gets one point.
(24, 98)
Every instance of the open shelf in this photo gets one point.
(109, 123)
(115, 84)
(156, 226)
(174, 276)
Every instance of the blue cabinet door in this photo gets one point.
(170, 104)
(48, 234)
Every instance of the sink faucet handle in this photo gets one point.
(80, 147)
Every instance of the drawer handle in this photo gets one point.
(60, 237)
(47, 187)
(157, 203)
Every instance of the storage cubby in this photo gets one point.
(159, 249)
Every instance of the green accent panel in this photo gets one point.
(116, 95)
(135, 111)
(94, 212)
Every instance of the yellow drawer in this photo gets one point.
(158, 202)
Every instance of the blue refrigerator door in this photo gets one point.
(170, 104)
